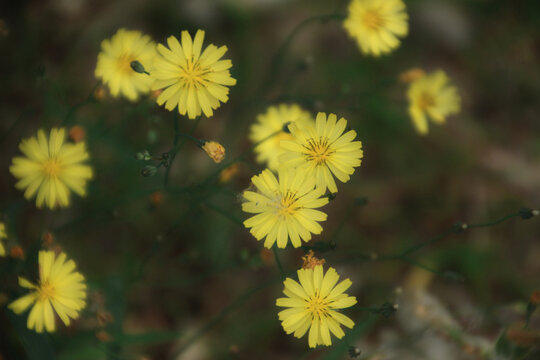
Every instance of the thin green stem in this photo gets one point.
(278, 262)
(74, 108)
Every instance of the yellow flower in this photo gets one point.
(114, 63)
(192, 80)
(51, 168)
(2, 236)
(285, 209)
(270, 123)
(60, 289)
(312, 305)
(323, 150)
(432, 95)
(215, 150)
(377, 25)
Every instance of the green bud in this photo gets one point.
(527, 213)
(354, 352)
(138, 67)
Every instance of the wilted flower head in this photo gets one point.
(215, 150)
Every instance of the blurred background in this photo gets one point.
(172, 272)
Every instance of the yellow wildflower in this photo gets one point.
(323, 150)
(377, 25)
(191, 80)
(51, 168)
(114, 64)
(215, 150)
(312, 303)
(2, 236)
(432, 95)
(60, 289)
(285, 209)
(271, 122)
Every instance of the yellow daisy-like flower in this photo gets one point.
(114, 64)
(323, 150)
(272, 121)
(377, 25)
(51, 168)
(2, 236)
(432, 95)
(60, 289)
(192, 81)
(312, 305)
(285, 208)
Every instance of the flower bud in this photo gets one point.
(215, 150)
(77, 133)
(149, 170)
(17, 252)
(138, 67)
(411, 75)
(527, 213)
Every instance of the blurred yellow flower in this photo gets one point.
(377, 25)
(215, 150)
(323, 150)
(51, 168)
(2, 236)
(191, 80)
(312, 304)
(272, 121)
(60, 289)
(432, 95)
(114, 64)
(285, 209)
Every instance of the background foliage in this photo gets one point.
(172, 272)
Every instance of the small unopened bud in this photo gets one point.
(535, 297)
(527, 213)
(138, 67)
(227, 173)
(100, 93)
(104, 317)
(387, 309)
(103, 336)
(411, 75)
(215, 150)
(354, 352)
(17, 252)
(156, 198)
(77, 133)
(149, 170)
(48, 239)
(331, 196)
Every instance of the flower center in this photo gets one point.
(123, 64)
(373, 19)
(287, 204)
(52, 167)
(317, 305)
(318, 150)
(194, 74)
(425, 101)
(46, 291)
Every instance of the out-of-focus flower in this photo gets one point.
(284, 209)
(114, 64)
(77, 133)
(2, 236)
(323, 150)
(269, 130)
(312, 303)
(227, 173)
(411, 75)
(377, 25)
(156, 198)
(17, 252)
(432, 95)
(191, 80)
(51, 168)
(215, 150)
(100, 93)
(48, 239)
(60, 289)
(310, 261)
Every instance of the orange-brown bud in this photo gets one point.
(103, 336)
(228, 173)
(17, 252)
(156, 198)
(535, 298)
(48, 239)
(411, 75)
(77, 133)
